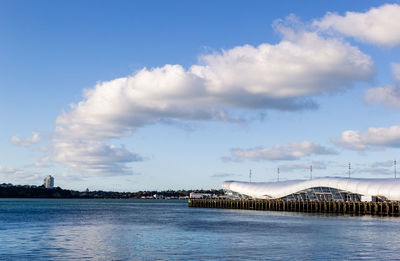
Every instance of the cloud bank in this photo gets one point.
(388, 95)
(379, 25)
(380, 168)
(283, 76)
(291, 151)
(380, 164)
(19, 174)
(26, 142)
(373, 138)
(224, 175)
(316, 165)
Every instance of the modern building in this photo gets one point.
(48, 182)
(321, 189)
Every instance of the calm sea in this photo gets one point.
(80, 229)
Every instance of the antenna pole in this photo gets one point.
(278, 174)
(349, 169)
(250, 176)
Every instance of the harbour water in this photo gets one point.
(91, 229)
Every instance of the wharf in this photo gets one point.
(339, 207)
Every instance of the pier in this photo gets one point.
(307, 206)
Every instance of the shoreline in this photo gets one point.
(27, 191)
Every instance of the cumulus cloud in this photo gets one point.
(24, 176)
(388, 95)
(276, 76)
(302, 166)
(373, 138)
(19, 174)
(378, 25)
(7, 171)
(387, 163)
(26, 142)
(93, 157)
(380, 168)
(44, 162)
(282, 76)
(224, 175)
(291, 151)
(375, 171)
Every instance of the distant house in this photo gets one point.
(199, 195)
(158, 196)
(48, 182)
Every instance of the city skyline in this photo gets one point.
(126, 96)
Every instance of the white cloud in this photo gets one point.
(7, 171)
(274, 76)
(388, 95)
(284, 76)
(379, 164)
(291, 151)
(373, 138)
(378, 25)
(280, 76)
(316, 165)
(375, 171)
(42, 163)
(93, 157)
(224, 175)
(17, 174)
(24, 176)
(382, 168)
(378, 168)
(26, 142)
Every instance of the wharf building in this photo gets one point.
(48, 182)
(320, 189)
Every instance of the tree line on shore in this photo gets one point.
(26, 191)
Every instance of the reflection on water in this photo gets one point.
(78, 229)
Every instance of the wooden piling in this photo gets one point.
(338, 207)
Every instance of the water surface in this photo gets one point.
(112, 229)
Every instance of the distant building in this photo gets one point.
(199, 195)
(48, 182)
(158, 196)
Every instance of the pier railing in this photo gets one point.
(339, 207)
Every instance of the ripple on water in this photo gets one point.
(79, 229)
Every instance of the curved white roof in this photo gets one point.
(389, 188)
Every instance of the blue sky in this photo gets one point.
(227, 87)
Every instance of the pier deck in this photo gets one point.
(338, 207)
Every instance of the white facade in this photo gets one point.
(48, 182)
(388, 188)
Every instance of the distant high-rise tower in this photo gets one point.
(48, 182)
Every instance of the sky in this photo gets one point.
(156, 95)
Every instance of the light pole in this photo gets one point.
(349, 169)
(310, 171)
(278, 174)
(250, 176)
